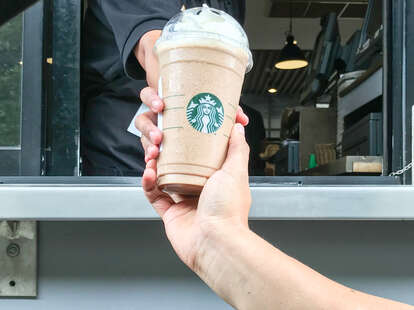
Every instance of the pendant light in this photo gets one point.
(291, 56)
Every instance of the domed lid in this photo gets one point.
(206, 23)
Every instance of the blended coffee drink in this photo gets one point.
(203, 56)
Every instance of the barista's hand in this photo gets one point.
(224, 201)
(147, 122)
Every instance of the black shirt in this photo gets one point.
(112, 77)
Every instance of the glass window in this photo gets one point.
(10, 82)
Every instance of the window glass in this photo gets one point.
(10, 82)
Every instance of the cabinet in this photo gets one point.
(310, 126)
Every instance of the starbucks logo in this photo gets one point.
(205, 113)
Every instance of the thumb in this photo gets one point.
(237, 160)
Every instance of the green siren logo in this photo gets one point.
(205, 113)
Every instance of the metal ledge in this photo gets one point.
(117, 202)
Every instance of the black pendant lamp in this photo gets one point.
(291, 56)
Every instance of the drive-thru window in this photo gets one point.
(329, 141)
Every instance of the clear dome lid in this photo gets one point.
(206, 23)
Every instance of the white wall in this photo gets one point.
(269, 33)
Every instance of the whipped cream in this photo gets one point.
(211, 21)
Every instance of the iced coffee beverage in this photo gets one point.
(203, 56)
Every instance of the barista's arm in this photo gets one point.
(130, 20)
(136, 25)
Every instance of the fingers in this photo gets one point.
(146, 124)
(151, 135)
(241, 117)
(159, 200)
(237, 159)
(149, 180)
(150, 98)
(151, 150)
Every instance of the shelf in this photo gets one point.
(362, 91)
(126, 201)
(349, 165)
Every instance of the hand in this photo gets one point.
(147, 122)
(224, 202)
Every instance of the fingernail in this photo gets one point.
(156, 105)
(240, 128)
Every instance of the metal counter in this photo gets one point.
(126, 201)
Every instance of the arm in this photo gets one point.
(136, 25)
(250, 273)
(212, 237)
(131, 20)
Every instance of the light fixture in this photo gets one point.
(272, 90)
(291, 56)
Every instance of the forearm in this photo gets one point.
(249, 273)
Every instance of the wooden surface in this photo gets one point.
(364, 167)
(348, 165)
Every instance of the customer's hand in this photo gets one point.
(224, 201)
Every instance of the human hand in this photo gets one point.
(147, 122)
(224, 202)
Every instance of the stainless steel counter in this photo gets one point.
(118, 202)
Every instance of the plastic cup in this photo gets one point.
(203, 55)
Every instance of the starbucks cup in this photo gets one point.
(203, 55)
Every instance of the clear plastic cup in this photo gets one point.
(203, 55)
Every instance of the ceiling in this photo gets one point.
(264, 75)
(317, 8)
(269, 17)
(264, 29)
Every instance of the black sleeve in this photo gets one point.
(131, 19)
(261, 127)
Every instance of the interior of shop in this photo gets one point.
(324, 118)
